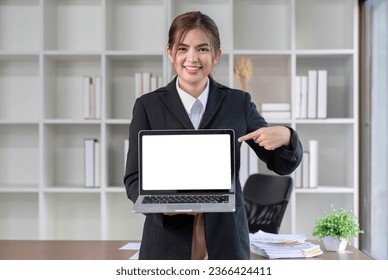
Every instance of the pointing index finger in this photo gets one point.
(248, 136)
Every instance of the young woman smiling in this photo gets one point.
(194, 47)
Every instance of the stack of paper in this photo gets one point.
(283, 246)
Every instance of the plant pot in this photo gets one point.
(332, 244)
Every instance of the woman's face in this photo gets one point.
(194, 60)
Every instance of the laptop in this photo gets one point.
(183, 171)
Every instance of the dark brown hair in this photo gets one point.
(191, 20)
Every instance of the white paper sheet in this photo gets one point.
(131, 246)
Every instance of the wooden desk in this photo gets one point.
(63, 250)
(109, 250)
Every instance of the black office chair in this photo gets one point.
(266, 199)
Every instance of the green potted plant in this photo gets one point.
(335, 229)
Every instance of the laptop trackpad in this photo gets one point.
(184, 208)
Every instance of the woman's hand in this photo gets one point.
(269, 138)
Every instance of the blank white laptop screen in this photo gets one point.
(186, 162)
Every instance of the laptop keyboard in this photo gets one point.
(186, 199)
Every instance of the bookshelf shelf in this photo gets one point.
(118, 121)
(325, 189)
(326, 121)
(47, 47)
(115, 189)
(70, 190)
(324, 52)
(19, 189)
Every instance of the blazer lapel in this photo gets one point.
(174, 104)
(216, 96)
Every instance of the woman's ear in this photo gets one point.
(217, 56)
(169, 54)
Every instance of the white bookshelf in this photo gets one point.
(47, 46)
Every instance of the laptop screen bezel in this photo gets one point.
(228, 132)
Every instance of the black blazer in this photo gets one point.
(169, 237)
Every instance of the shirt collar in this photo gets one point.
(189, 100)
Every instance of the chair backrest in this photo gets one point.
(266, 199)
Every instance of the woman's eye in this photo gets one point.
(203, 50)
(182, 49)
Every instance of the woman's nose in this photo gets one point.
(192, 56)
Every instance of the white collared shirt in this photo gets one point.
(189, 100)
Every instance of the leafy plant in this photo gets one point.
(338, 224)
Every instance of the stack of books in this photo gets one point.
(283, 246)
(275, 111)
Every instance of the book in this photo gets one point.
(276, 115)
(303, 97)
(154, 83)
(306, 170)
(312, 94)
(253, 162)
(92, 163)
(146, 82)
(98, 96)
(97, 164)
(322, 94)
(275, 107)
(126, 147)
(275, 110)
(298, 177)
(89, 162)
(245, 164)
(313, 162)
(298, 97)
(92, 97)
(138, 84)
(87, 83)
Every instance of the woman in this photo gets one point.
(193, 49)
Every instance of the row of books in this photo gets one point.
(311, 95)
(92, 163)
(145, 82)
(306, 175)
(92, 97)
(283, 246)
(276, 111)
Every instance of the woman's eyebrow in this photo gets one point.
(198, 46)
